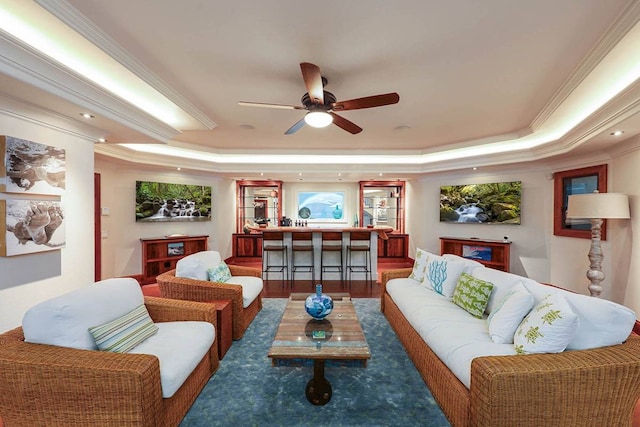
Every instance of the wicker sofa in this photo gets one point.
(198, 288)
(593, 387)
(53, 385)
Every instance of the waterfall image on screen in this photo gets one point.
(495, 203)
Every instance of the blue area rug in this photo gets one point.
(247, 391)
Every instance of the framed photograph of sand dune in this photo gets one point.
(29, 167)
(30, 226)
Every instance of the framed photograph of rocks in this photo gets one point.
(31, 168)
(30, 226)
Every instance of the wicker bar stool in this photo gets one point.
(273, 244)
(332, 244)
(359, 242)
(302, 246)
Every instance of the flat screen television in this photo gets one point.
(162, 202)
(494, 203)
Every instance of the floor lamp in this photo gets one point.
(596, 207)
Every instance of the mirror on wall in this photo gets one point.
(258, 203)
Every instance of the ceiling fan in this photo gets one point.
(321, 105)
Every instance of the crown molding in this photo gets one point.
(628, 18)
(22, 62)
(17, 108)
(83, 26)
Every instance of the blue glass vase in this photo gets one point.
(318, 305)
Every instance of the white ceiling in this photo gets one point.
(468, 73)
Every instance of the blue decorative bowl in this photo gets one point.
(318, 305)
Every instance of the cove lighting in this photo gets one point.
(318, 119)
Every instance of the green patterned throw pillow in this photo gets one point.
(419, 265)
(548, 328)
(220, 274)
(124, 333)
(472, 294)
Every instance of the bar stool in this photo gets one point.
(273, 243)
(302, 243)
(332, 243)
(359, 242)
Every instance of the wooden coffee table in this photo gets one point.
(343, 344)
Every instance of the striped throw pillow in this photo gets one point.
(125, 332)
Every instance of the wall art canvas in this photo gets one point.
(31, 168)
(30, 226)
(323, 205)
(494, 203)
(162, 202)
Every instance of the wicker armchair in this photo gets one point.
(49, 385)
(202, 290)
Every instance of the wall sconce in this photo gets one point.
(596, 207)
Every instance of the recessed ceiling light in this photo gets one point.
(380, 174)
(88, 116)
(475, 168)
(178, 169)
(617, 133)
(102, 140)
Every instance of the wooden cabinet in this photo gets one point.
(491, 253)
(162, 253)
(247, 245)
(397, 246)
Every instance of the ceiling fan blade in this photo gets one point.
(296, 127)
(345, 124)
(313, 82)
(266, 105)
(367, 102)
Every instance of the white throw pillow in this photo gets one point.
(549, 327)
(419, 265)
(508, 314)
(442, 275)
(196, 266)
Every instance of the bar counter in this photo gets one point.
(376, 231)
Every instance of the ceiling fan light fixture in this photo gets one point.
(318, 119)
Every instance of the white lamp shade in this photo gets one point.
(598, 206)
(318, 119)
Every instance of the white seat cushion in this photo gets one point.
(179, 346)
(251, 288)
(196, 266)
(65, 320)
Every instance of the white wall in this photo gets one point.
(529, 250)
(626, 250)
(121, 234)
(26, 280)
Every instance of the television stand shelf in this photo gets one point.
(491, 253)
(161, 254)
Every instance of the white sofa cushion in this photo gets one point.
(196, 266)
(601, 322)
(251, 288)
(65, 320)
(179, 346)
(454, 336)
(548, 328)
(502, 283)
(469, 264)
(508, 314)
(443, 275)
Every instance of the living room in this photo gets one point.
(536, 252)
